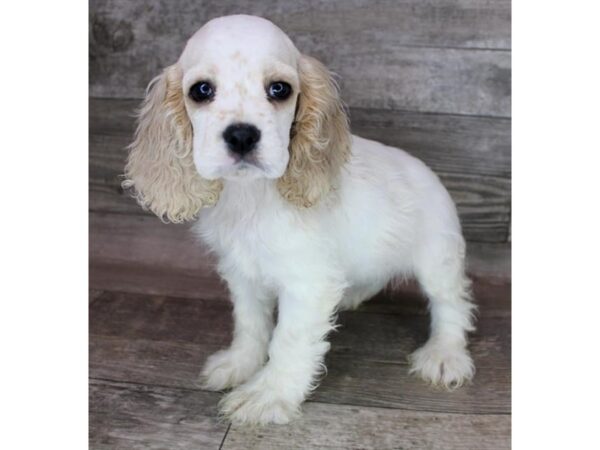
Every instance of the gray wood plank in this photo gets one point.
(162, 319)
(483, 205)
(155, 281)
(489, 260)
(353, 382)
(471, 155)
(352, 378)
(326, 426)
(491, 294)
(109, 197)
(130, 417)
(447, 143)
(390, 42)
(141, 254)
(450, 81)
(164, 341)
(93, 295)
(208, 322)
(453, 23)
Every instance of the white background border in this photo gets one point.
(44, 227)
(44, 237)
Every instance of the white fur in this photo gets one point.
(390, 217)
(239, 62)
(387, 216)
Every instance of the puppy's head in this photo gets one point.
(241, 103)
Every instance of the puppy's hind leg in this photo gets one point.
(444, 360)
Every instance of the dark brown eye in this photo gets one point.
(279, 90)
(202, 91)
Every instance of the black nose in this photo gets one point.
(241, 138)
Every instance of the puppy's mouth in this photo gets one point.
(246, 160)
(246, 167)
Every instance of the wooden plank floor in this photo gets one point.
(157, 311)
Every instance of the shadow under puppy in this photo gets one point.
(249, 138)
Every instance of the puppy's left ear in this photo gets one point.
(320, 142)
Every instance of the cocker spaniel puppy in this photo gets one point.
(249, 138)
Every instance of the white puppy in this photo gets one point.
(250, 137)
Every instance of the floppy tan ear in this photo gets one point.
(320, 142)
(160, 166)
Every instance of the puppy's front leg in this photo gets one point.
(296, 353)
(253, 323)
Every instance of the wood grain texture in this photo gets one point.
(326, 426)
(450, 81)
(143, 254)
(93, 295)
(453, 23)
(165, 341)
(489, 261)
(130, 417)
(351, 379)
(471, 155)
(382, 50)
(448, 143)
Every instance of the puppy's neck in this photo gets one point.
(250, 195)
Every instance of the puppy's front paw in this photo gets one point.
(229, 368)
(258, 402)
(446, 365)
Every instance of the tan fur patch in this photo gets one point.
(160, 167)
(320, 143)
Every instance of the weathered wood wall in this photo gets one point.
(432, 77)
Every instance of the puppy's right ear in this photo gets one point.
(160, 167)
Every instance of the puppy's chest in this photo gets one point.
(257, 244)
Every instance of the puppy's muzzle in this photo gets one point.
(241, 138)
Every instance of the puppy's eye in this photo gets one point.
(279, 90)
(202, 91)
